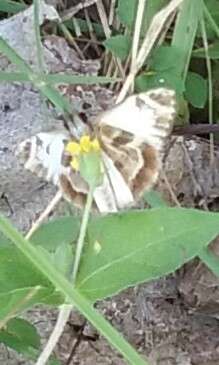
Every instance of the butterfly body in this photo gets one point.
(132, 136)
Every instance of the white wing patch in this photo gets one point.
(45, 154)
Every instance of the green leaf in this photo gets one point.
(213, 51)
(17, 272)
(196, 90)
(154, 199)
(162, 72)
(139, 246)
(20, 335)
(153, 79)
(9, 6)
(56, 233)
(184, 33)
(15, 301)
(63, 258)
(152, 7)
(210, 259)
(127, 12)
(119, 45)
(4, 241)
(183, 115)
(21, 284)
(164, 58)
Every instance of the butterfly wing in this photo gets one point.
(133, 134)
(43, 154)
(148, 116)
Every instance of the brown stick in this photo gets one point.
(196, 129)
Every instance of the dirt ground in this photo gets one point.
(172, 321)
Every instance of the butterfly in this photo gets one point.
(132, 136)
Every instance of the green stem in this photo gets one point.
(65, 310)
(64, 286)
(82, 234)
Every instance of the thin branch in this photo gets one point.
(103, 17)
(45, 214)
(196, 129)
(91, 32)
(56, 334)
(112, 11)
(170, 189)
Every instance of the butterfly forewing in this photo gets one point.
(133, 134)
(148, 116)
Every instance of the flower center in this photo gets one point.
(85, 146)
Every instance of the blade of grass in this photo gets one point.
(74, 297)
(210, 20)
(58, 78)
(13, 76)
(42, 81)
(184, 33)
(9, 6)
(210, 87)
(52, 94)
(83, 80)
(98, 29)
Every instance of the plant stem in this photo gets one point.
(66, 309)
(83, 229)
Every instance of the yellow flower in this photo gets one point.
(85, 143)
(84, 147)
(73, 148)
(75, 163)
(95, 145)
